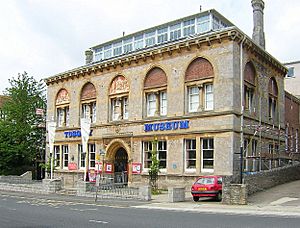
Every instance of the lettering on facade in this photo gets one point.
(167, 126)
(73, 134)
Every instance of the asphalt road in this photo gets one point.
(37, 211)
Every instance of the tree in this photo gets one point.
(22, 132)
(154, 168)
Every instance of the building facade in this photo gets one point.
(197, 89)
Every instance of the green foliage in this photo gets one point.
(22, 132)
(154, 168)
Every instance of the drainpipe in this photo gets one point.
(242, 109)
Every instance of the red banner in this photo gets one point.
(72, 166)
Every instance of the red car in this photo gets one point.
(207, 186)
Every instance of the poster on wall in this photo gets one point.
(99, 167)
(136, 168)
(92, 175)
(108, 168)
(72, 166)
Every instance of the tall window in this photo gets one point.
(62, 108)
(98, 54)
(175, 31)
(127, 45)
(161, 148)
(81, 156)
(249, 87)
(155, 86)
(88, 102)
(203, 24)
(107, 51)
(65, 152)
(162, 35)
(273, 99)
(119, 90)
(207, 154)
(57, 156)
(199, 81)
(117, 48)
(189, 27)
(92, 155)
(193, 95)
(150, 38)
(139, 42)
(190, 154)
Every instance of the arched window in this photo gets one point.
(62, 108)
(118, 93)
(199, 82)
(273, 98)
(249, 87)
(155, 88)
(88, 102)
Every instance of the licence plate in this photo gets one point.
(201, 189)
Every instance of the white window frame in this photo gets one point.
(81, 157)
(139, 42)
(203, 169)
(193, 99)
(203, 24)
(65, 152)
(208, 96)
(98, 54)
(189, 27)
(151, 104)
(162, 35)
(122, 103)
(127, 45)
(56, 150)
(163, 103)
(117, 49)
(62, 116)
(175, 31)
(192, 142)
(92, 155)
(107, 51)
(150, 39)
(89, 110)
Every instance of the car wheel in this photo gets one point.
(196, 198)
(219, 197)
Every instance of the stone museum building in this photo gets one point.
(198, 89)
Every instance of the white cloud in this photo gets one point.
(46, 37)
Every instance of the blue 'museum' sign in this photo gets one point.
(167, 126)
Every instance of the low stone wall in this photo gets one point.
(45, 187)
(269, 178)
(25, 178)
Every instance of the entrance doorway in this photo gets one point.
(121, 166)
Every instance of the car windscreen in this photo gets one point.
(206, 180)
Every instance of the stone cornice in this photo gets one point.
(232, 34)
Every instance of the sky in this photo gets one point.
(47, 37)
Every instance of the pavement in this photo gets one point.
(282, 200)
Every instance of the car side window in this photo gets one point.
(220, 180)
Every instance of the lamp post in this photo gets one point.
(102, 154)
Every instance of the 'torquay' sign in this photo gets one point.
(167, 126)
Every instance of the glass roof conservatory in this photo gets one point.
(169, 32)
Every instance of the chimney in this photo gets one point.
(258, 35)
(88, 56)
